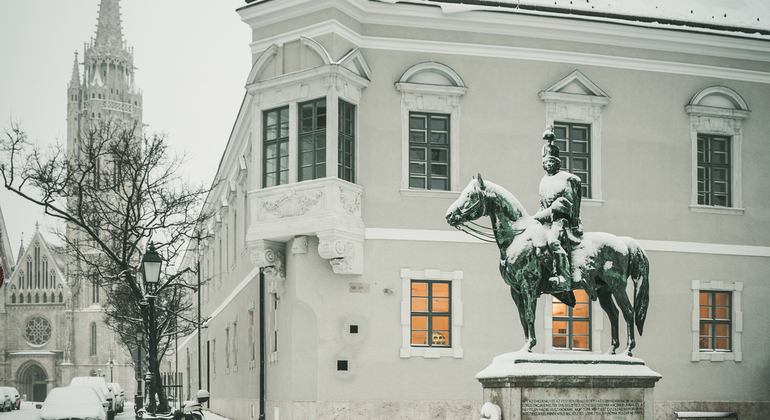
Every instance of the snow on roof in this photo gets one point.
(747, 16)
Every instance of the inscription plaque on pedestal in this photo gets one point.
(529, 386)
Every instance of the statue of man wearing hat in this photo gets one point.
(559, 213)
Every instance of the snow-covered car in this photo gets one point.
(120, 397)
(73, 402)
(101, 384)
(5, 399)
(15, 398)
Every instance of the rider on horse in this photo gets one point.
(559, 213)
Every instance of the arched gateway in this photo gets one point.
(32, 382)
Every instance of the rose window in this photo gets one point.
(38, 330)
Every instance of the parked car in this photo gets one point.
(5, 399)
(73, 402)
(120, 398)
(101, 384)
(15, 398)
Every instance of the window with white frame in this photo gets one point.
(321, 131)
(716, 131)
(431, 313)
(717, 321)
(572, 325)
(430, 109)
(574, 107)
(275, 143)
(574, 143)
(575, 329)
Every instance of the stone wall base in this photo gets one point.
(348, 410)
(746, 410)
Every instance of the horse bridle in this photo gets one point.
(485, 236)
(475, 232)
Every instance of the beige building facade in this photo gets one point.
(362, 123)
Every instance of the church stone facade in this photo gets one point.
(52, 322)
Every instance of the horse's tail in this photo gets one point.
(639, 271)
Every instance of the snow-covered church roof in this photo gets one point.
(739, 16)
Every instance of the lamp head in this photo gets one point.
(151, 263)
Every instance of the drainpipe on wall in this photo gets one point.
(262, 340)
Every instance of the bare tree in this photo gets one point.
(117, 189)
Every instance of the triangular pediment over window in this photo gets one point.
(575, 87)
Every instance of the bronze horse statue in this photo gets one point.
(601, 262)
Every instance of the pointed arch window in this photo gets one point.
(30, 272)
(93, 339)
(21, 279)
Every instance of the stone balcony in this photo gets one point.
(328, 208)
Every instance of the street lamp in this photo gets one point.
(138, 397)
(151, 264)
(112, 364)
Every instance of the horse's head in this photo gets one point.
(470, 205)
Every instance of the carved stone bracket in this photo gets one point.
(299, 245)
(268, 255)
(344, 251)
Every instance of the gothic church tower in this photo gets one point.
(106, 88)
(102, 88)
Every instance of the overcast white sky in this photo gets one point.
(192, 59)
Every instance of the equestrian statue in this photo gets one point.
(549, 253)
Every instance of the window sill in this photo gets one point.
(717, 356)
(732, 211)
(591, 202)
(430, 194)
(431, 352)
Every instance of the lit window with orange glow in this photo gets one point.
(715, 324)
(572, 326)
(431, 314)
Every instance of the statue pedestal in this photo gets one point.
(529, 386)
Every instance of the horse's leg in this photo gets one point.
(605, 300)
(531, 301)
(628, 314)
(522, 308)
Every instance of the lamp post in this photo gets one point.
(138, 397)
(112, 364)
(151, 264)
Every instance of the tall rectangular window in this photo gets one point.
(235, 344)
(214, 356)
(312, 139)
(572, 326)
(347, 142)
(252, 346)
(431, 314)
(715, 321)
(275, 153)
(429, 151)
(227, 348)
(574, 143)
(714, 170)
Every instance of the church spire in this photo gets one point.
(75, 81)
(21, 250)
(109, 33)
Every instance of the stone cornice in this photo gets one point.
(515, 24)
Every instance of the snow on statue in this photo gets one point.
(549, 253)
